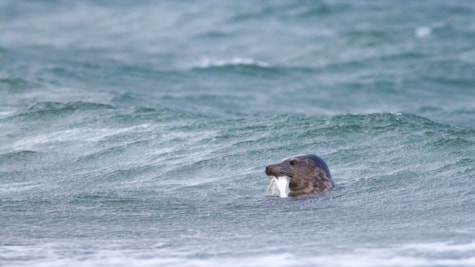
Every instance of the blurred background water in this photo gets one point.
(135, 133)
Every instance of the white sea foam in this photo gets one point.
(77, 134)
(423, 31)
(206, 62)
(17, 187)
(405, 255)
(6, 113)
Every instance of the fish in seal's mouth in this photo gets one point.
(279, 185)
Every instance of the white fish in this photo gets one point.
(279, 185)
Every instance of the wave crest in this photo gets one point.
(206, 62)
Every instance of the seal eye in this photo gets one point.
(293, 162)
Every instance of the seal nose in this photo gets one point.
(268, 170)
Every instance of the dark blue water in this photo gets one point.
(137, 133)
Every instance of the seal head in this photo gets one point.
(300, 175)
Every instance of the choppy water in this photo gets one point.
(135, 133)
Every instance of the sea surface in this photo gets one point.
(136, 133)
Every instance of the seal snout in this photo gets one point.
(277, 170)
(274, 170)
(269, 170)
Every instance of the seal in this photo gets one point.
(300, 175)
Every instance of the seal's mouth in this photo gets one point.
(279, 185)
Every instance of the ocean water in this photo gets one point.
(136, 133)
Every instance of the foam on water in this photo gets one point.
(71, 135)
(423, 31)
(207, 62)
(407, 255)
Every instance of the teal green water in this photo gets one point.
(136, 134)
